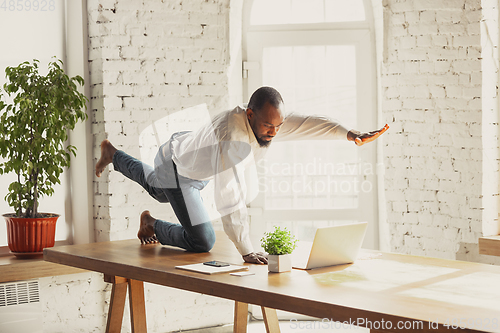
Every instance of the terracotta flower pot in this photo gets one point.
(30, 235)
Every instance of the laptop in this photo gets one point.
(335, 245)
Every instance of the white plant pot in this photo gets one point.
(280, 263)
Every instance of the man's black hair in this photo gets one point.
(262, 96)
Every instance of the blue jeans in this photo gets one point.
(195, 232)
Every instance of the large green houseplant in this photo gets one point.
(34, 128)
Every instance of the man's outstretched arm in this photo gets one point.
(362, 138)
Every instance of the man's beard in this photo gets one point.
(263, 143)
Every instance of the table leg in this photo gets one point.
(137, 306)
(270, 320)
(117, 303)
(240, 317)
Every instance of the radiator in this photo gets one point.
(20, 307)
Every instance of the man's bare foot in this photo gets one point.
(146, 231)
(107, 152)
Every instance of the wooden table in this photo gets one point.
(382, 291)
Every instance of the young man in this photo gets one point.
(221, 150)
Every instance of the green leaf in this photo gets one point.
(34, 128)
(279, 242)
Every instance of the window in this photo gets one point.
(309, 174)
(318, 54)
(44, 37)
(265, 12)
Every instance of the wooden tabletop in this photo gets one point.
(378, 289)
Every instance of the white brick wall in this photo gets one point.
(440, 153)
(80, 302)
(150, 59)
(74, 303)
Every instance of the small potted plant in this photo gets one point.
(279, 244)
(33, 132)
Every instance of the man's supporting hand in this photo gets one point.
(362, 138)
(256, 258)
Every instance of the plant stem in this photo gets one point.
(32, 175)
(19, 208)
(35, 195)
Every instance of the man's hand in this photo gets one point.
(362, 138)
(256, 258)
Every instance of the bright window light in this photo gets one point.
(266, 12)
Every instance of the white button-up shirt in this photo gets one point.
(224, 148)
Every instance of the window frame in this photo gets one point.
(343, 33)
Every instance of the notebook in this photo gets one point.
(335, 245)
(200, 268)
